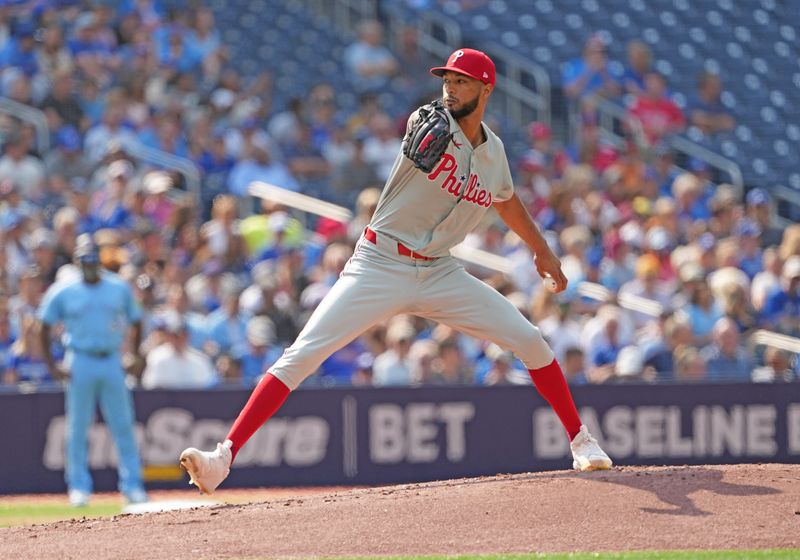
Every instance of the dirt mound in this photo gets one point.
(629, 508)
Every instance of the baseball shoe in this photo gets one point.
(207, 469)
(137, 496)
(78, 498)
(586, 453)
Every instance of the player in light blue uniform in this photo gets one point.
(96, 311)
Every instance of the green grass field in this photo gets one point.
(14, 514)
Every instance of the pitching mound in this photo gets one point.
(629, 508)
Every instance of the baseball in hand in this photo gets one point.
(550, 283)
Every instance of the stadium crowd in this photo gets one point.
(226, 281)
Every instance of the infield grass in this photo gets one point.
(15, 514)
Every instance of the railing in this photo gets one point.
(150, 155)
(518, 96)
(789, 196)
(430, 27)
(160, 158)
(713, 159)
(611, 113)
(590, 290)
(31, 115)
(437, 36)
(345, 14)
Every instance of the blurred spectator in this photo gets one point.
(62, 107)
(450, 367)
(662, 171)
(223, 234)
(25, 362)
(52, 57)
(750, 254)
(23, 304)
(27, 172)
(411, 63)
(574, 366)
(177, 305)
(591, 73)
(226, 326)
(205, 40)
(107, 132)
(158, 205)
(67, 159)
(42, 246)
(393, 366)
(759, 208)
(768, 280)
(727, 359)
(7, 339)
(19, 51)
(108, 204)
(216, 164)
(647, 285)
(790, 242)
(777, 367)
(306, 162)
(356, 174)
(688, 191)
(640, 61)
(259, 165)
(503, 371)
(629, 366)
(260, 351)
(362, 375)
(176, 365)
(284, 126)
(13, 246)
(735, 304)
(381, 146)
(658, 114)
(561, 330)
(592, 149)
(370, 64)
(703, 313)
(659, 352)
(606, 348)
(706, 111)
(366, 203)
(690, 365)
(781, 311)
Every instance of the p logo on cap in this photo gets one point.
(472, 63)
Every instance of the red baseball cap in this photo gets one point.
(539, 130)
(469, 62)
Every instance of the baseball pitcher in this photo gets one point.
(451, 169)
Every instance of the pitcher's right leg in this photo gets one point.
(368, 291)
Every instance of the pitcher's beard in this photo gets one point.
(466, 110)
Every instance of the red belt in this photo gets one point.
(372, 237)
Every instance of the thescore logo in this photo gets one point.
(662, 431)
(296, 442)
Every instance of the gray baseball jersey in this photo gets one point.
(402, 264)
(433, 212)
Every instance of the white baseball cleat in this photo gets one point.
(586, 453)
(207, 469)
(78, 498)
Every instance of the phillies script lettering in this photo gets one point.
(453, 185)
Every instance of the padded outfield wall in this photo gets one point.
(378, 436)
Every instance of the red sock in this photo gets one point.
(550, 382)
(267, 397)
